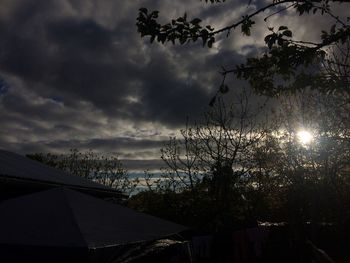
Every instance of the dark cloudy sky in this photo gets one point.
(75, 73)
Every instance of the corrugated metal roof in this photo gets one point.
(18, 167)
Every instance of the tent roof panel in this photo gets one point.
(15, 166)
(66, 218)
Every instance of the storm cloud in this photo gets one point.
(76, 74)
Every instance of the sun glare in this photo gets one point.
(305, 137)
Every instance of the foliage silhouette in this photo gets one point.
(264, 173)
(288, 64)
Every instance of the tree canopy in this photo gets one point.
(287, 63)
(104, 169)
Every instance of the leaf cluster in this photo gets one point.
(286, 57)
(178, 30)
